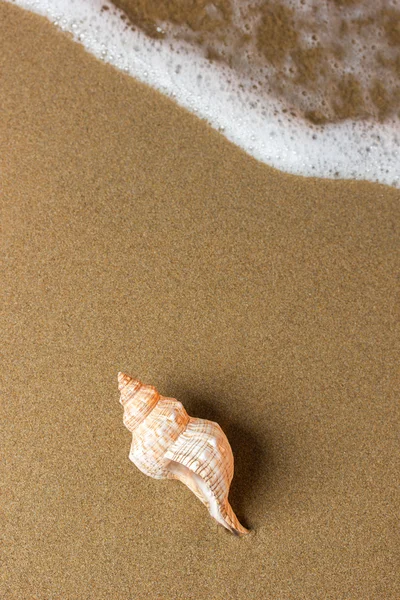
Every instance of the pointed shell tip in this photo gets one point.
(123, 379)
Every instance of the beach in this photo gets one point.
(136, 238)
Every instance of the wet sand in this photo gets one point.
(326, 61)
(136, 238)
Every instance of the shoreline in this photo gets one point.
(264, 127)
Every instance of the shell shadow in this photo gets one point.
(254, 464)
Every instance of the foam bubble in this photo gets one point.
(259, 125)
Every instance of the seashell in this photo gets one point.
(169, 444)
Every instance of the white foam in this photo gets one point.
(351, 149)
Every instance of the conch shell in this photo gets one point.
(167, 443)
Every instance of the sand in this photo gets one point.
(327, 61)
(136, 238)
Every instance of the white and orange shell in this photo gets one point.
(167, 443)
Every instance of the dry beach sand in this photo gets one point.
(136, 238)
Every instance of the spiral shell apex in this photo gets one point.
(169, 444)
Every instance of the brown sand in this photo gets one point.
(137, 238)
(300, 54)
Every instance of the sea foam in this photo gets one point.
(349, 149)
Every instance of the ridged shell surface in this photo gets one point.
(168, 443)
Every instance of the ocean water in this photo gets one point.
(311, 87)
